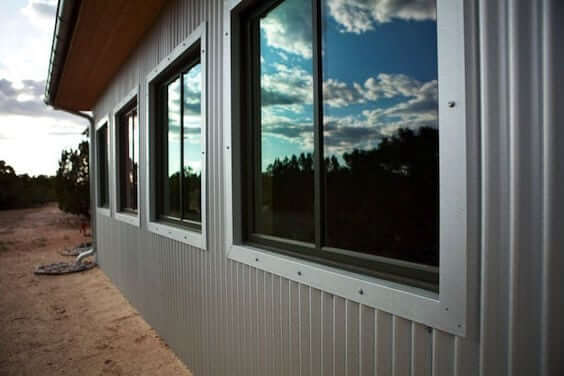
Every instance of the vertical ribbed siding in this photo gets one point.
(251, 322)
(226, 318)
(553, 177)
(517, 209)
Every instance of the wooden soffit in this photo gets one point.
(105, 34)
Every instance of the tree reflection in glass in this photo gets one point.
(129, 159)
(283, 200)
(191, 183)
(171, 183)
(381, 129)
(380, 178)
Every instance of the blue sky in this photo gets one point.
(32, 135)
(379, 73)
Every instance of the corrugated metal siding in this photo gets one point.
(226, 318)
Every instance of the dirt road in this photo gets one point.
(77, 324)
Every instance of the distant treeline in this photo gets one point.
(24, 191)
(69, 188)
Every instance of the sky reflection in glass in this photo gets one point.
(379, 114)
(171, 204)
(286, 106)
(191, 183)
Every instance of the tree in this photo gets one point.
(23, 191)
(72, 181)
(382, 201)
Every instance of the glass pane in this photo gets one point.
(134, 156)
(381, 129)
(171, 181)
(283, 194)
(103, 142)
(191, 184)
(128, 160)
(124, 165)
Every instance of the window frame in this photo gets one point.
(104, 121)
(167, 68)
(398, 270)
(126, 216)
(446, 309)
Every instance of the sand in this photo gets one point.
(76, 324)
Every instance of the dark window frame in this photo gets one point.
(159, 89)
(120, 116)
(103, 166)
(404, 272)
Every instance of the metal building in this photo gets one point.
(491, 304)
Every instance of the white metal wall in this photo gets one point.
(226, 318)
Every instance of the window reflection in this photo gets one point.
(171, 186)
(283, 199)
(181, 153)
(129, 159)
(191, 183)
(103, 142)
(377, 73)
(381, 130)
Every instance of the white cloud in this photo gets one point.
(41, 13)
(289, 28)
(415, 107)
(286, 86)
(32, 135)
(26, 98)
(338, 94)
(384, 86)
(388, 86)
(358, 16)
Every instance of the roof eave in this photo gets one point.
(65, 21)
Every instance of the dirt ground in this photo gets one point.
(76, 324)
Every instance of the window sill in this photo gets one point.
(104, 211)
(129, 218)
(183, 235)
(412, 303)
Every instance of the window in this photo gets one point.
(102, 160)
(177, 124)
(127, 159)
(179, 106)
(347, 150)
(342, 145)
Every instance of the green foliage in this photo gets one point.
(24, 191)
(72, 182)
(382, 201)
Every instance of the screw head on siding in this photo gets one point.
(451, 104)
(361, 292)
(256, 259)
(299, 273)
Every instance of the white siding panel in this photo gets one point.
(421, 350)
